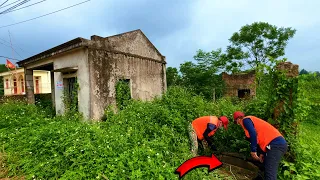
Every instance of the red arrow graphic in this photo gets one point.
(200, 161)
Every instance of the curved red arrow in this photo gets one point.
(200, 161)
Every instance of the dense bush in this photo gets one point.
(146, 140)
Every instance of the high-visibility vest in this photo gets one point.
(200, 125)
(265, 131)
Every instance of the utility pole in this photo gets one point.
(13, 74)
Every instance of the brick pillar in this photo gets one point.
(291, 71)
(29, 85)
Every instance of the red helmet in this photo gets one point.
(237, 114)
(224, 121)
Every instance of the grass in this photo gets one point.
(143, 141)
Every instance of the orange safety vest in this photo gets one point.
(200, 125)
(265, 131)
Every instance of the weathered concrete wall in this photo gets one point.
(133, 42)
(107, 67)
(236, 82)
(77, 58)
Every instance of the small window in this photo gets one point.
(243, 93)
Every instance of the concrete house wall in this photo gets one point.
(98, 64)
(129, 56)
(76, 58)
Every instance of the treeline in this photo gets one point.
(255, 46)
(3, 68)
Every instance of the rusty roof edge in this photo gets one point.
(72, 44)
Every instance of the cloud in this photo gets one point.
(177, 28)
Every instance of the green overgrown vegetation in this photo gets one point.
(3, 68)
(123, 93)
(146, 140)
(149, 140)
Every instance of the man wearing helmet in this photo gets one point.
(203, 128)
(266, 138)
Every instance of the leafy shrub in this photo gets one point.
(146, 140)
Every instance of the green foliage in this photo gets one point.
(3, 68)
(257, 42)
(307, 164)
(173, 77)
(303, 71)
(202, 80)
(146, 140)
(70, 102)
(123, 94)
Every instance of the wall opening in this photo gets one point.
(243, 93)
(123, 93)
(71, 93)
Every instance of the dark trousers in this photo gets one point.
(272, 160)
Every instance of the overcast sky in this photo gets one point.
(178, 28)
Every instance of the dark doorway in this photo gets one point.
(71, 93)
(243, 93)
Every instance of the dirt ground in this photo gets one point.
(237, 172)
(4, 169)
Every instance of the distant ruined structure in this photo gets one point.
(240, 85)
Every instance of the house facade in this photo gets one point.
(97, 65)
(14, 83)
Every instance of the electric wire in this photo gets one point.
(44, 15)
(24, 7)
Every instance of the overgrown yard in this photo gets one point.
(145, 140)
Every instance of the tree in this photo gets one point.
(173, 77)
(202, 77)
(255, 44)
(216, 61)
(303, 71)
(3, 68)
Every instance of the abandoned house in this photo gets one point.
(240, 85)
(97, 65)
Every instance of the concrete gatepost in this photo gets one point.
(29, 86)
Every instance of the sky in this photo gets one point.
(177, 28)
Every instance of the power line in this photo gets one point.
(23, 7)
(10, 58)
(15, 6)
(4, 3)
(9, 4)
(45, 14)
(10, 47)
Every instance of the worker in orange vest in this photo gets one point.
(203, 128)
(266, 140)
